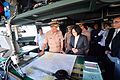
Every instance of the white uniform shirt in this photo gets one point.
(76, 40)
(40, 39)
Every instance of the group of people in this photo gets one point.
(78, 40)
(73, 41)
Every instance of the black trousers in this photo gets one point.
(109, 68)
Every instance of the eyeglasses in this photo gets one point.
(116, 22)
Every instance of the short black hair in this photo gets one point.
(77, 29)
(85, 26)
(116, 16)
(38, 28)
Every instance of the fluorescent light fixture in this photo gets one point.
(114, 5)
(57, 19)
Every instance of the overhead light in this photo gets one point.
(105, 19)
(114, 5)
(57, 19)
(35, 15)
(38, 23)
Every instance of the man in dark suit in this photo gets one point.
(113, 49)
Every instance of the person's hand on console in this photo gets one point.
(74, 50)
(107, 52)
(41, 53)
(62, 52)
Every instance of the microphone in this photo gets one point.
(15, 61)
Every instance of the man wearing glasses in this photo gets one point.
(113, 50)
